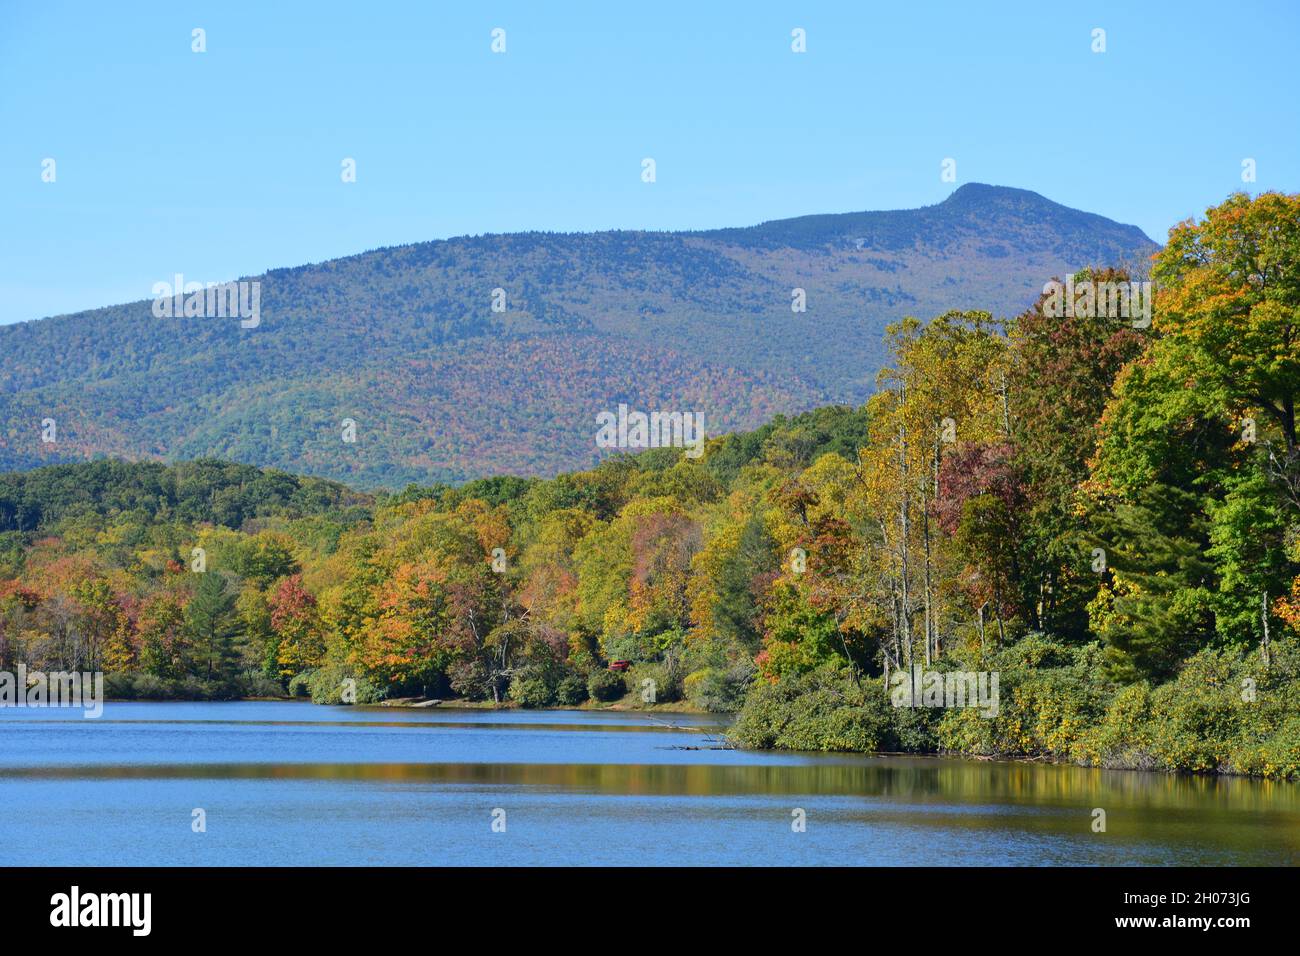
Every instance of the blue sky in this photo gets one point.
(227, 163)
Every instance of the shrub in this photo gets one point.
(916, 729)
(256, 684)
(530, 688)
(130, 685)
(1199, 714)
(120, 686)
(604, 685)
(299, 685)
(1224, 712)
(821, 710)
(1049, 695)
(718, 689)
(663, 687)
(1122, 739)
(195, 688)
(326, 686)
(150, 687)
(571, 690)
(1277, 756)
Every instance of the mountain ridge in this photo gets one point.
(404, 341)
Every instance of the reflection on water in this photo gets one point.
(294, 784)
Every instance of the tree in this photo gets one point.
(105, 627)
(740, 582)
(981, 508)
(212, 624)
(1062, 370)
(1204, 421)
(296, 626)
(164, 644)
(1229, 291)
(1156, 609)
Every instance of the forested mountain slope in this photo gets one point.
(404, 341)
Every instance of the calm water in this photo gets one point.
(288, 783)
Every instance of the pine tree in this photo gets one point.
(213, 625)
(1156, 609)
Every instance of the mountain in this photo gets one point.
(404, 341)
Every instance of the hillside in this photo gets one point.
(404, 340)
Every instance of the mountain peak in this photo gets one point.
(1025, 219)
(1029, 207)
(968, 193)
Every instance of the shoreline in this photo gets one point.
(417, 703)
(678, 708)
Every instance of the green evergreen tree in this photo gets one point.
(214, 627)
(1158, 608)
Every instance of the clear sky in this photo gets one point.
(227, 163)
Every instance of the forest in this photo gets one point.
(1106, 516)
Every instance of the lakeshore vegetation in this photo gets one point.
(1103, 512)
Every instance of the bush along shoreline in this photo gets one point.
(1225, 712)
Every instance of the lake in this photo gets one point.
(296, 784)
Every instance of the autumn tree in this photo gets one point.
(295, 624)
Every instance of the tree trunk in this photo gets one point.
(904, 529)
(1006, 411)
(1264, 650)
(929, 604)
